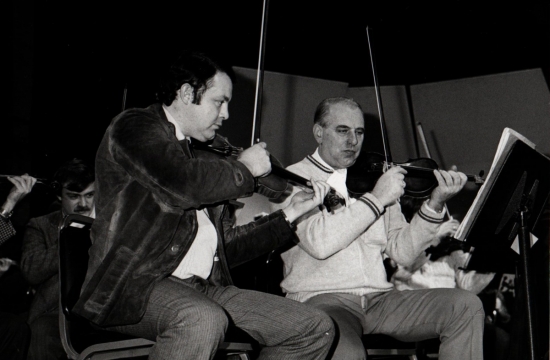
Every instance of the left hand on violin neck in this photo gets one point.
(449, 184)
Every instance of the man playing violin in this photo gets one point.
(338, 264)
(164, 235)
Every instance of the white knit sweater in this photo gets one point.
(343, 252)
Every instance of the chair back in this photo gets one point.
(74, 243)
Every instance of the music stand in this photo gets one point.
(512, 207)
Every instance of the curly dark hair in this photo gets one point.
(194, 68)
(75, 175)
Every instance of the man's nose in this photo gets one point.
(82, 201)
(353, 139)
(224, 113)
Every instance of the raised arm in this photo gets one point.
(149, 153)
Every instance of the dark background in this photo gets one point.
(71, 60)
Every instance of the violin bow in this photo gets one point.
(427, 150)
(38, 180)
(260, 78)
(124, 93)
(385, 141)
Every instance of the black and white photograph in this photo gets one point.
(275, 179)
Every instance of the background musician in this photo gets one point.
(22, 185)
(14, 331)
(75, 189)
(338, 264)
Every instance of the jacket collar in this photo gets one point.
(159, 110)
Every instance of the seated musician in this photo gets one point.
(338, 264)
(14, 332)
(22, 185)
(164, 236)
(40, 256)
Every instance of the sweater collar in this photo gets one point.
(318, 161)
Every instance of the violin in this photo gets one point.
(420, 179)
(367, 169)
(277, 185)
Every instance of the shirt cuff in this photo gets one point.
(292, 226)
(430, 215)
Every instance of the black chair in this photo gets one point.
(80, 339)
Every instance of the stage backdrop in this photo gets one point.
(462, 119)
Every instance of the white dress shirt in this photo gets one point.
(199, 259)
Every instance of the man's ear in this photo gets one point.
(318, 133)
(185, 93)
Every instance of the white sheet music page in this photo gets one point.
(507, 139)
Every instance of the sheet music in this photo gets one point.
(507, 139)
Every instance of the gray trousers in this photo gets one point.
(188, 320)
(454, 316)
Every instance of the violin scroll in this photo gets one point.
(477, 179)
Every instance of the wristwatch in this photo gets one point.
(5, 213)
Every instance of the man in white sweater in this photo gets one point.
(338, 264)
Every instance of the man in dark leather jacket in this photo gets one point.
(164, 234)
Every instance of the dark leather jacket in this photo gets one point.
(148, 186)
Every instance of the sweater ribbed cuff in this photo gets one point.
(431, 215)
(376, 206)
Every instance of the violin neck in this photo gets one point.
(290, 176)
(420, 171)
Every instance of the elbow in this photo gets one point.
(29, 274)
(319, 253)
(319, 250)
(30, 278)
